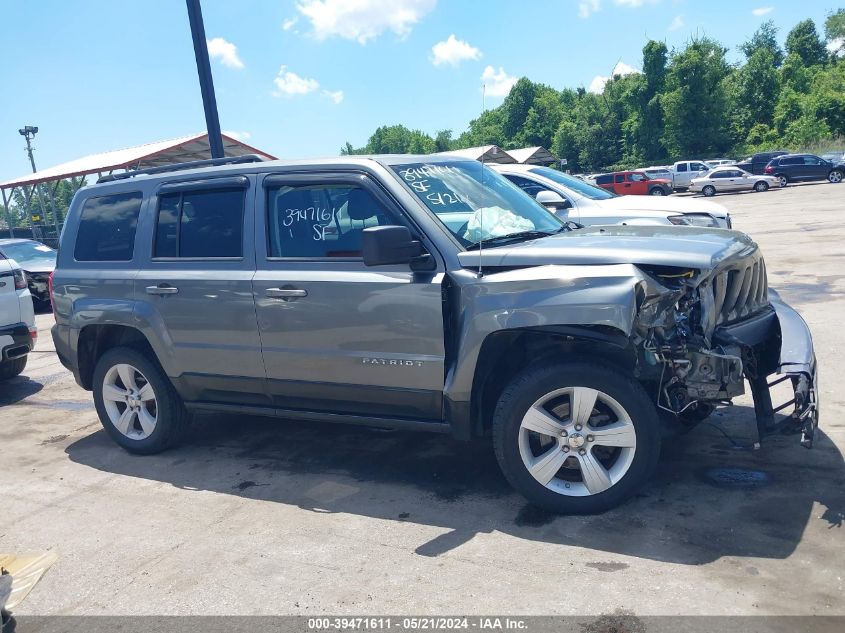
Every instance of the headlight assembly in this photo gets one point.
(694, 219)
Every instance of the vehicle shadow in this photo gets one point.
(17, 389)
(708, 499)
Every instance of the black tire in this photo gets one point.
(835, 176)
(171, 416)
(656, 191)
(538, 381)
(11, 368)
(784, 179)
(761, 186)
(709, 191)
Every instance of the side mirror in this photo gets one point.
(384, 245)
(552, 200)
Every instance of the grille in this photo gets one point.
(740, 290)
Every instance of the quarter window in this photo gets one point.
(682, 167)
(619, 178)
(107, 227)
(321, 221)
(200, 224)
(605, 179)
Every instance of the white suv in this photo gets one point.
(17, 320)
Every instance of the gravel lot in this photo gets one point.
(256, 516)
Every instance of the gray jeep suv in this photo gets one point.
(416, 292)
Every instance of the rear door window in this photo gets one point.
(619, 178)
(682, 166)
(200, 224)
(107, 227)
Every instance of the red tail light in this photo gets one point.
(769, 169)
(50, 292)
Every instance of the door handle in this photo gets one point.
(286, 293)
(162, 289)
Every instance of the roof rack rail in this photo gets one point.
(209, 162)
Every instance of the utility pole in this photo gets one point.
(29, 132)
(209, 101)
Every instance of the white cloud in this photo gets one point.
(677, 23)
(761, 11)
(288, 24)
(336, 96)
(586, 7)
(289, 84)
(363, 20)
(226, 52)
(238, 136)
(621, 69)
(497, 84)
(453, 51)
(836, 45)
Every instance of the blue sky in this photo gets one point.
(298, 78)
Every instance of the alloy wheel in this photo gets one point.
(130, 401)
(835, 176)
(577, 441)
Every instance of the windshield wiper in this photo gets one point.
(521, 235)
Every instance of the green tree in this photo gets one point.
(756, 90)
(443, 141)
(516, 106)
(695, 102)
(834, 30)
(804, 41)
(764, 38)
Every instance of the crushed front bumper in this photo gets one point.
(798, 363)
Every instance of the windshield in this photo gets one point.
(475, 203)
(584, 188)
(26, 251)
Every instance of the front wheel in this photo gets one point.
(136, 402)
(835, 176)
(576, 438)
(11, 368)
(709, 191)
(657, 191)
(761, 187)
(783, 180)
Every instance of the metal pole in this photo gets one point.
(8, 212)
(209, 101)
(37, 186)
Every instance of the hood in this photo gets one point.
(681, 246)
(667, 204)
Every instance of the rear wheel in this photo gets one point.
(761, 186)
(576, 438)
(11, 368)
(656, 191)
(709, 191)
(136, 402)
(784, 180)
(835, 176)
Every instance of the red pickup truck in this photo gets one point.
(634, 183)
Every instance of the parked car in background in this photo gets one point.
(731, 178)
(803, 167)
(17, 319)
(581, 202)
(684, 171)
(756, 164)
(834, 157)
(37, 260)
(660, 173)
(634, 183)
(717, 162)
(437, 296)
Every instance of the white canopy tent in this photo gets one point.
(532, 156)
(176, 150)
(488, 153)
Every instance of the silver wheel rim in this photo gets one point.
(783, 181)
(657, 192)
(577, 441)
(835, 176)
(130, 401)
(709, 191)
(761, 186)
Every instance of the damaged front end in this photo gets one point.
(700, 334)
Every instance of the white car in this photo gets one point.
(17, 320)
(718, 162)
(572, 199)
(731, 178)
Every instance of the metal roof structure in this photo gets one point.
(173, 151)
(489, 153)
(176, 150)
(532, 156)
